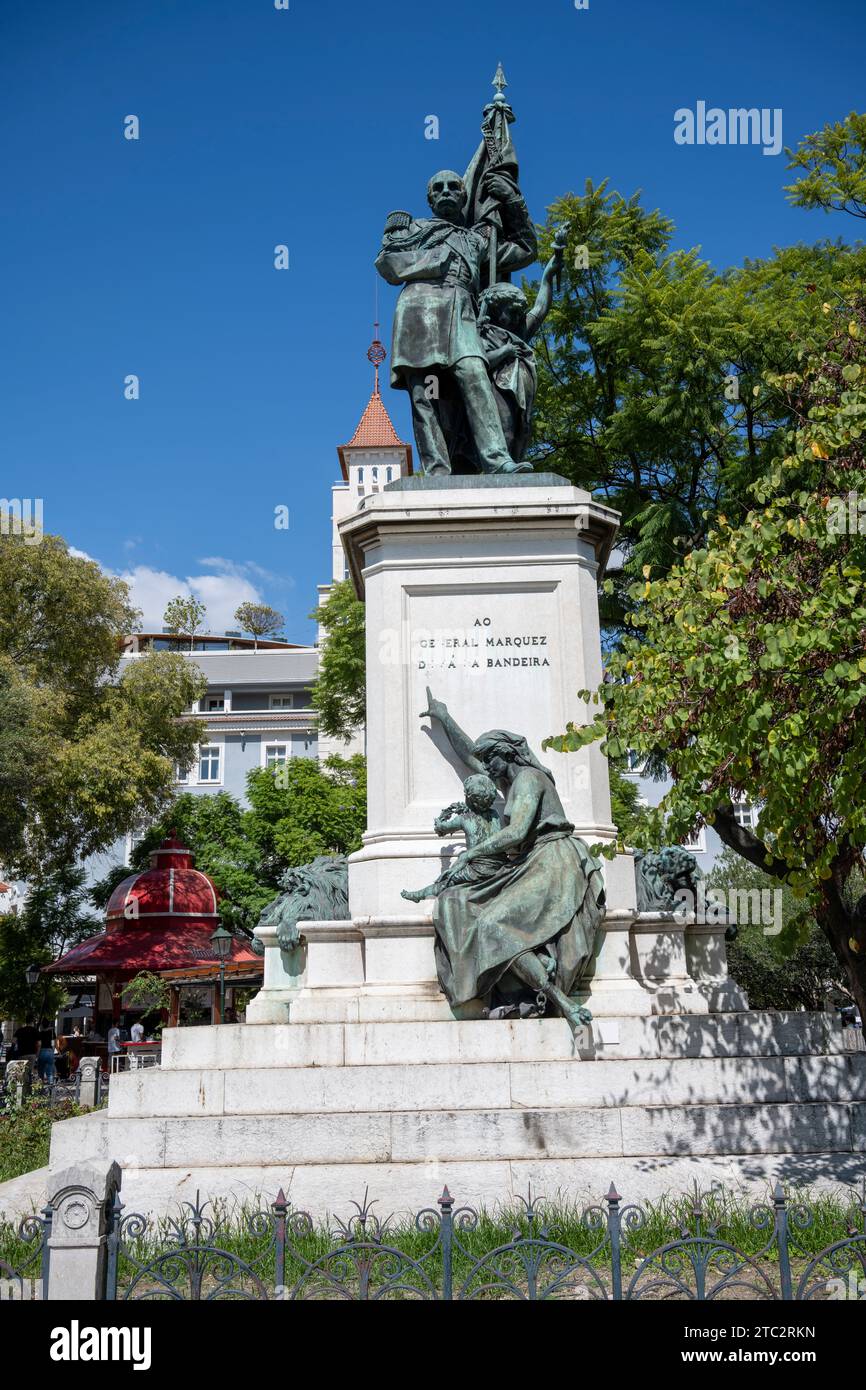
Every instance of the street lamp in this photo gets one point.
(221, 944)
(32, 975)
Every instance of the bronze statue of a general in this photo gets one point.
(438, 355)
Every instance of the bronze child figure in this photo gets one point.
(507, 327)
(478, 820)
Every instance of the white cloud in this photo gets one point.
(151, 590)
(247, 569)
(233, 583)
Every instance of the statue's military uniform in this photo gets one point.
(435, 325)
(439, 266)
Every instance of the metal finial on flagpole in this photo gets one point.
(499, 83)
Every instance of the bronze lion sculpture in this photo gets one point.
(314, 892)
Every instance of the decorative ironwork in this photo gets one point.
(279, 1253)
(195, 1266)
(31, 1257)
(839, 1271)
(701, 1265)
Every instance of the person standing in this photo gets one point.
(45, 1058)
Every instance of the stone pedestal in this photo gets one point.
(707, 964)
(486, 592)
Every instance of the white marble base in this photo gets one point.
(383, 969)
(325, 1110)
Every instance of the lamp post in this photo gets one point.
(221, 943)
(31, 975)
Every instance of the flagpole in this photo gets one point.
(493, 140)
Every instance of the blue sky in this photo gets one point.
(261, 126)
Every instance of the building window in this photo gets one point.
(388, 474)
(744, 814)
(181, 774)
(375, 475)
(133, 839)
(215, 702)
(696, 843)
(281, 702)
(360, 475)
(276, 754)
(209, 763)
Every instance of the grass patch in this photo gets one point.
(360, 1256)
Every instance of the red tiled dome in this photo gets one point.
(171, 893)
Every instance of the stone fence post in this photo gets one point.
(88, 1082)
(19, 1080)
(81, 1198)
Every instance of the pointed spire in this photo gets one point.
(499, 80)
(376, 353)
(375, 429)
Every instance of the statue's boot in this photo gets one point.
(512, 467)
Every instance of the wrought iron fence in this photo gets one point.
(279, 1254)
(451, 1253)
(24, 1257)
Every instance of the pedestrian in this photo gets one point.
(45, 1058)
(26, 1040)
(114, 1048)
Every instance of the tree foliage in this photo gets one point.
(340, 693)
(83, 754)
(260, 620)
(834, 160)
(54, 916)
(184, 616)
(653, 373)
(746, 670)
(796, 969)
(297, 810)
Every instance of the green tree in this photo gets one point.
(653, 389)
(297, 810)
(626, 809)
(184, 616)
(794, 970)
(83, 754)
(54, 916)
(834, 160)
(339, 693)
(746, 672)
(260, 620)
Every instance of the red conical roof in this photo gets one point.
(171, 893)
(375, 429)
(161, 918)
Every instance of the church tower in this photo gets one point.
(374, 456)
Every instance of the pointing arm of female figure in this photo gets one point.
(461, 743)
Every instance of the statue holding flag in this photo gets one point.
(479, 232)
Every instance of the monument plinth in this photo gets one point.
(485, 590)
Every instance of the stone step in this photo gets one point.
(751, 1034)
(571, 1085)
(329, 1190)
(449, 1136)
